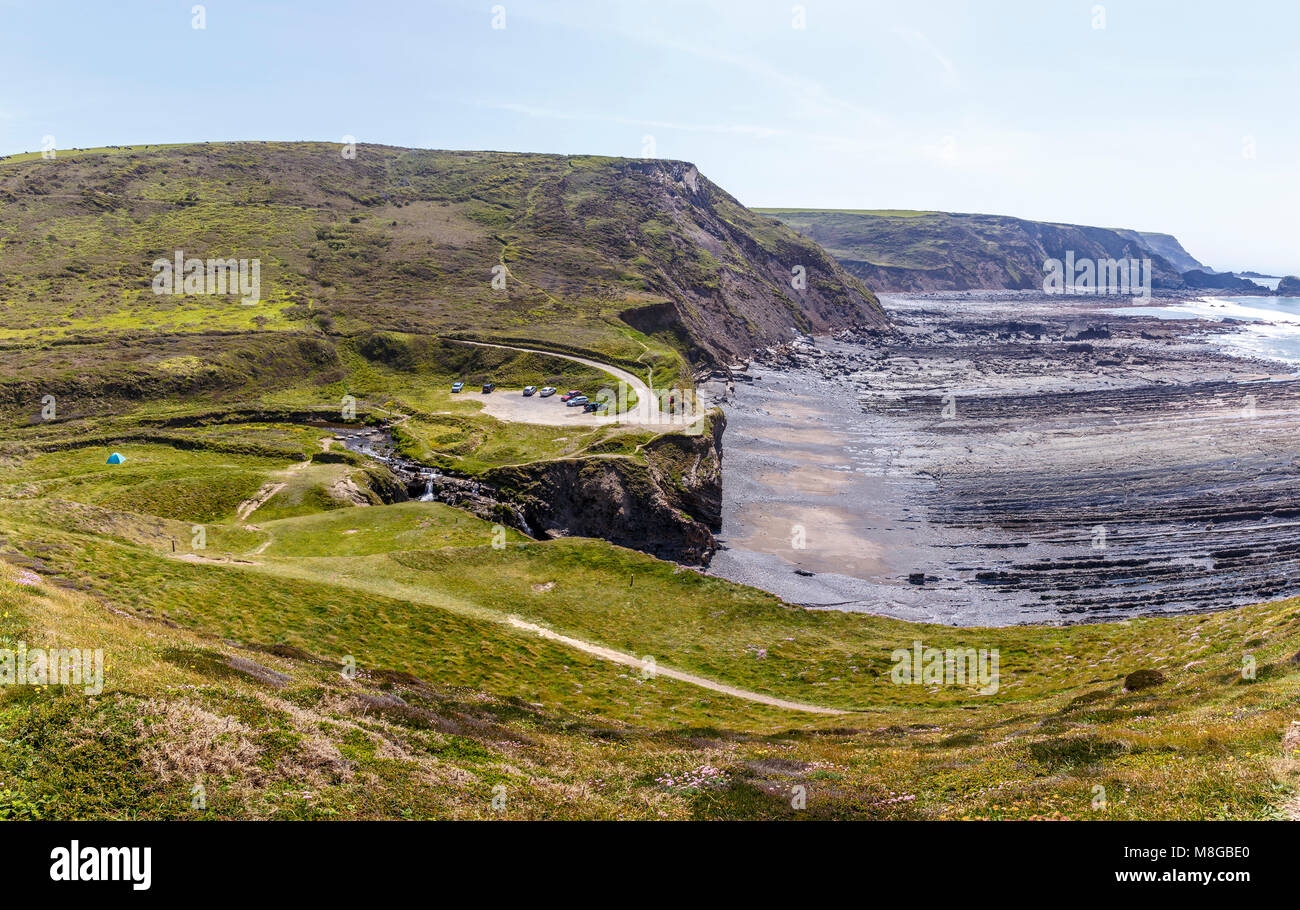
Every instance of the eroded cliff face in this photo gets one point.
(735, 280)
(688, 470)
(668, 506)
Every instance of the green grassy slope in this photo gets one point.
(369, 267)
(894, 250)
(225, 667)
(120, 389)
(407, 240)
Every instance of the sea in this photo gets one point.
(1272, 323)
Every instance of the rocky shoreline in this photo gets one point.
(1007, 457)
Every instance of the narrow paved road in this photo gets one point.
(532, 410)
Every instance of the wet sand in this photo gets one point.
(820, 539)
(1024, 460)
(814, 481)
(814, 498)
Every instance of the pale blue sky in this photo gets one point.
(1018, 107)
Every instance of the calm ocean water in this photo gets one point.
(1274, 322)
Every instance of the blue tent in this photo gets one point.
(115, 458)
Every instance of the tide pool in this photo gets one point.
(1273, 329)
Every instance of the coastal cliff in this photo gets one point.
(909, 252)
(668, 505)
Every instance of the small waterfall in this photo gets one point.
(427, 496)
(471, 495)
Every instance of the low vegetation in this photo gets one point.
(227, 666)
(895, 250)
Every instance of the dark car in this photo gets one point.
(592, 406)
(488, 387)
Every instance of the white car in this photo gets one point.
(547, 392)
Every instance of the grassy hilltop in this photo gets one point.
(407, 240)
(238, 565)
(369, 266)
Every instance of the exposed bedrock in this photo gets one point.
(1032, 473)
(669, 505)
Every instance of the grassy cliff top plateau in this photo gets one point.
(407, 240)
(895, 250)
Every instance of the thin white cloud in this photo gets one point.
(735, 129)
(813, 97)
(810, 99)
(918, 39)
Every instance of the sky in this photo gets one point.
(1161, 115)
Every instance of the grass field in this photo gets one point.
(556, 250)
(226, 666)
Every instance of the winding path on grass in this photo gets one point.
(414, 594)
(619, 657)
(646, 411)
(269, 489)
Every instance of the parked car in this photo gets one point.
(529, 389)
(592, 407)
(572, 393)
(457, 386)
(488, 387)
(547, 392)
(577, 400)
